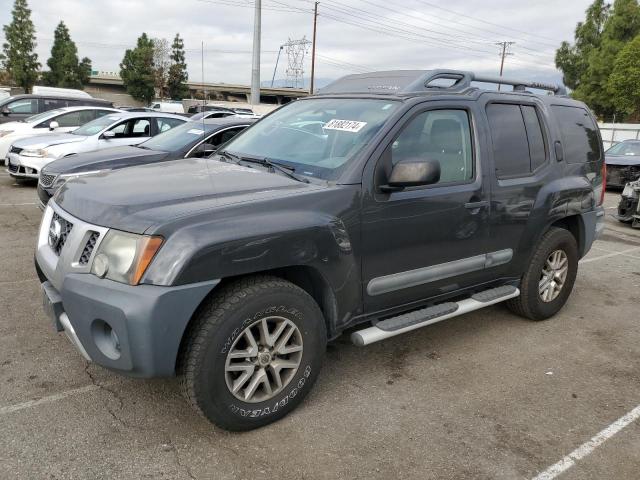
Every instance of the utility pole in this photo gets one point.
(255, 69)
(505, 46)
(313, 47)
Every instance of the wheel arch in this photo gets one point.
(306, 277)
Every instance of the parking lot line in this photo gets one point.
(609, 255)
(17, 204)
(51, 398)
(588, 447)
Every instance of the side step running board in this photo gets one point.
(430, 315)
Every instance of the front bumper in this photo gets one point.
(19, 166)
(135, 330)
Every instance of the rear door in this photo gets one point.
(430, 240)
(521, 166)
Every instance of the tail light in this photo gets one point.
(604, 183)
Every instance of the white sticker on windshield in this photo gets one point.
(195, 131)
(113, 118)
(344, 125)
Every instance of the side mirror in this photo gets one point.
(108, 134)
(412, 173)
(5, 111)
(53, 125)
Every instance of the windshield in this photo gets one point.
(625, 148)
(97, 125)
(43, 115)
(318, 137)
(178, 137)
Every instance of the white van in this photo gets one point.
(167, 107)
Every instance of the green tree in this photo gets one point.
(624, 82)
(620, 28)
(64, 68)
(18, 56)
(572, 60)
(177, 81)
(137, 72)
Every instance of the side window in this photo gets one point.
(442, 135)
(71, 119)
(509, 136)
(51, 103)
(537, 150)
(165, 124)
(100, 113)
(27, 105)
(141, 128)
(224, 137)
(86, 116)
(579, 134)
(121, 129)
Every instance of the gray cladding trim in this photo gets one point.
(420, 276)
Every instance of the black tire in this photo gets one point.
(530, 304)
(219, 322)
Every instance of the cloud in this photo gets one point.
(380, 35)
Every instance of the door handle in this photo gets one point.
(476, 205)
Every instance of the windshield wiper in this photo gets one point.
(286, 169)
(230, 156)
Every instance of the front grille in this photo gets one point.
(15, 149)
(59, 230)
(88, 248)
(47, 180)
(620, 175)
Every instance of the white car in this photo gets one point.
(26, 157)
(167, 107)
(59, 120)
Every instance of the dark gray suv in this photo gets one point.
(387, 202)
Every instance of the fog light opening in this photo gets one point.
(106, 339)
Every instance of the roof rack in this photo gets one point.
(414, 81)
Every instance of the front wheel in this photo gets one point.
(253, 353)
(548, 281)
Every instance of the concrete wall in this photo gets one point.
(115, 95)
(616, 132)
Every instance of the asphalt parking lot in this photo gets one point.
(483, 396)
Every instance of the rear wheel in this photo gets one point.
(549, 279)
(253, 354)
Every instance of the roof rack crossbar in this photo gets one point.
(463, 80)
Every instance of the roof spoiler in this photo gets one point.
(411, 81)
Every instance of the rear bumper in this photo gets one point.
(593, 223)
(135, 330)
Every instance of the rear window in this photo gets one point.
(580, 141)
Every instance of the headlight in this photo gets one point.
(5, 132)
(61, 179)
(124, 257)
(40, 152)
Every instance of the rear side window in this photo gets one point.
(579, 134)
(518, 142)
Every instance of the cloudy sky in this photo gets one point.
(353, 35)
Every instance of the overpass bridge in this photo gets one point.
(111, 87)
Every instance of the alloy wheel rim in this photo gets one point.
(263, 359)
(554, 275)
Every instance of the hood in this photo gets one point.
(108, 158)
(48, 140)
(622, 160)
(137, 198)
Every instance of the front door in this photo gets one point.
(429, 240)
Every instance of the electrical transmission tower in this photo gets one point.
(296, 51)
(504, 51)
